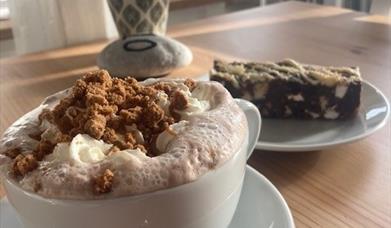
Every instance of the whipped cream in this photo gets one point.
(198, 99)
(133, 159)
(136, 133)
(83, 149)
(50, 131)
(194, 106)
(163, 101)
(169, 134)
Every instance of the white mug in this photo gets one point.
(208, 202)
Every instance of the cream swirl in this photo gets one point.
(83, 149)
(169, 134)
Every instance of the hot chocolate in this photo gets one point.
(107, 137)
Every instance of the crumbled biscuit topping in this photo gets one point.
(102, 107)
(120, 112)
(103, 183)
(178, 102)
(23, 164)
(12, 153)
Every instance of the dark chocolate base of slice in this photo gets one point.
(292, 99)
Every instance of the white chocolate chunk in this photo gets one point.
(288, 111)
(260, 90)
(323, 102)
(247, 96)
(313, 114)
(340, 91)
(331, 114)
(296, 97)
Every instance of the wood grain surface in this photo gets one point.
(346, 186)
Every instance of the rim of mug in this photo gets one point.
(8, 180)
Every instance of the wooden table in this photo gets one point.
(346, 186)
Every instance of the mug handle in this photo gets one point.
(254, 123)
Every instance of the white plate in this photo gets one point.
(260, 206)
(309, 135)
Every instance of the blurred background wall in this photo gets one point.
(29, 26)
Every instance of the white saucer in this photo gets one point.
(309, 135)
(260, 205)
